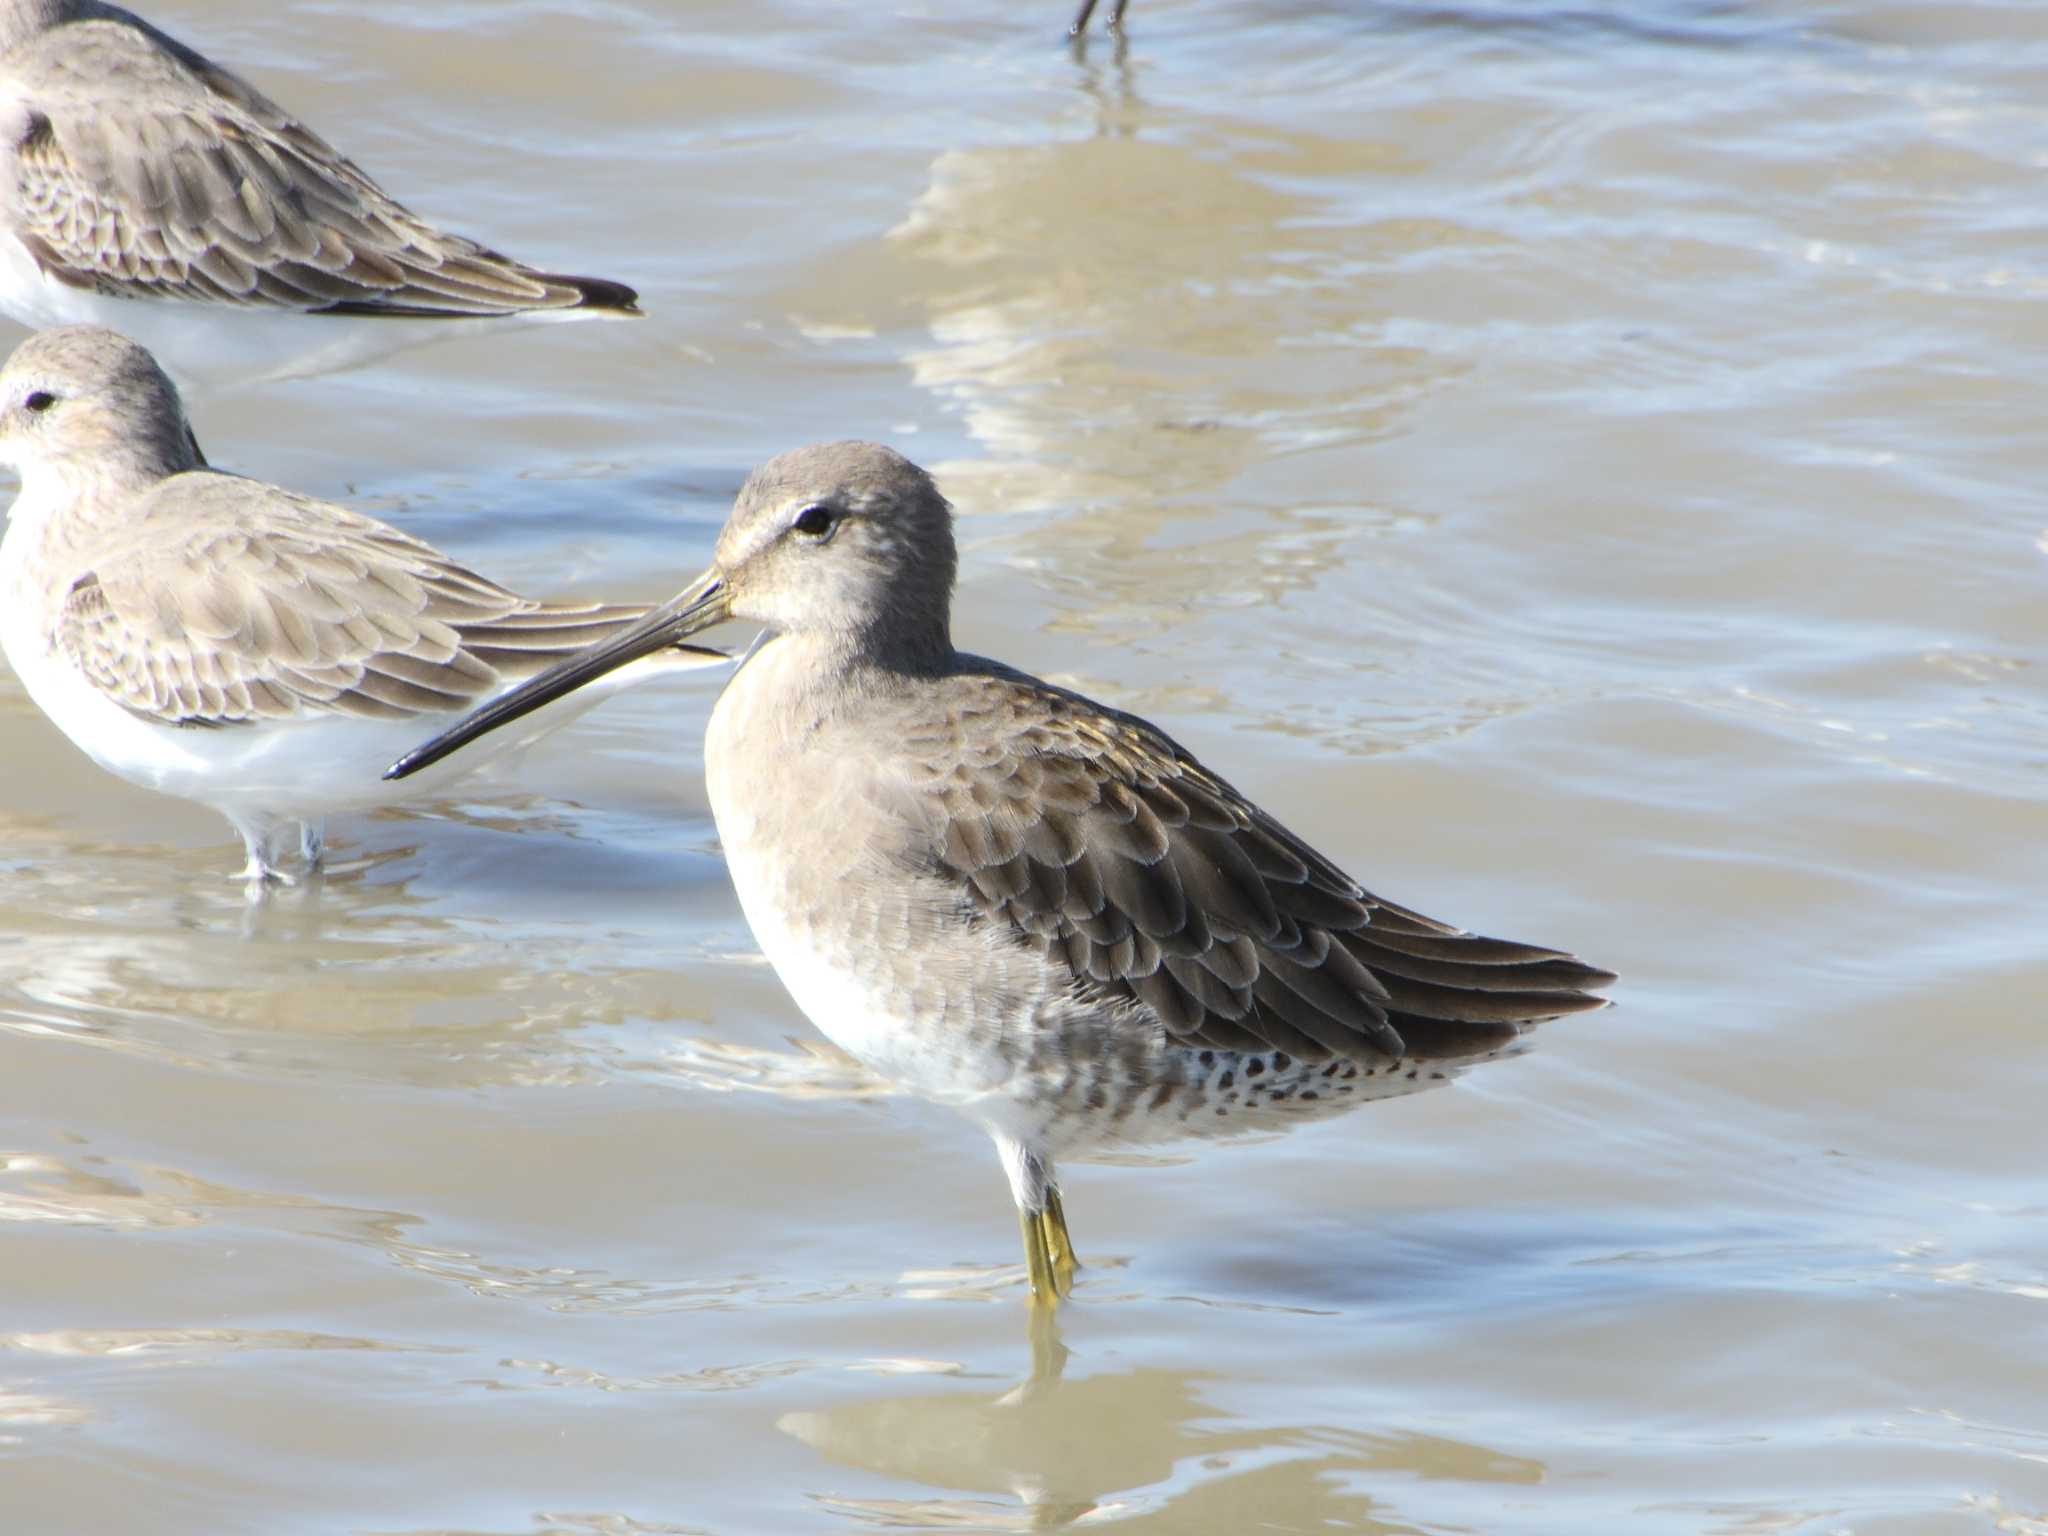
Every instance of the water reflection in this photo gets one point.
(1680, 401)
(1147, 318)
(1064, 1448)
(1057, 279)
(1110, 83)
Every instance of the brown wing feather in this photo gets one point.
(1147, 877)
(239, 602)
(146, 171)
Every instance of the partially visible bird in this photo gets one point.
(1012, 899)
(228, 641)
(144, 187)
(1116, 16)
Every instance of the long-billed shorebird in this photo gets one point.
(225, 640)
(145, 187)
(1011, 898)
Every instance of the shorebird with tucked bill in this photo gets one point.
(228, 641)
(145, 187)
(1015, 900)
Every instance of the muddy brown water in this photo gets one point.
(1581, 464)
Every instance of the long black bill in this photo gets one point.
(703, 603)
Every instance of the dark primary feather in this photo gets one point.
(147, 171)
(1149, 878)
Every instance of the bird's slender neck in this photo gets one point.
(67, 499)
(127, 470)
(820, 673)
(916, 640)
(905, 635)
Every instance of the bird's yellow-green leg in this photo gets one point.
(1048, 1252)
(1037, 1261)
(1059, 1247)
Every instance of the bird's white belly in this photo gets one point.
(214, 345)
(35, 300)
(937, 1053)
(119, 741)
(297, 768)
(849, 943)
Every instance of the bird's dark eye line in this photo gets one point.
(40, 400)
(815, 521)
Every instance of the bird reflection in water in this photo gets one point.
(1091, 1448)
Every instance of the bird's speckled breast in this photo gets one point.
(816, 838)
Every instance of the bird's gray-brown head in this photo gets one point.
(849, 542)
(85, 405)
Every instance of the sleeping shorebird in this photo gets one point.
(225, 640)
(1012, 899)
(144, 187)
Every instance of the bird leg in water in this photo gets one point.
(264, 840)
(1059, 1246)
(1049, 1251)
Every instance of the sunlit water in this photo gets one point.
(1582, 465)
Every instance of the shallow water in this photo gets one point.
(1581, 464)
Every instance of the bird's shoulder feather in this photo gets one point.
(1144, 876)
(224, 601)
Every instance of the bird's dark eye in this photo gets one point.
(815, 521)
(40, 400)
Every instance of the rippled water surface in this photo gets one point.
(1581, 464)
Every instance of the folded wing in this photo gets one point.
(143, 170)
(254, 604)
(1146, 877)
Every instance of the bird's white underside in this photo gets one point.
(215, 346)
(271, 771)
(257, 775)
